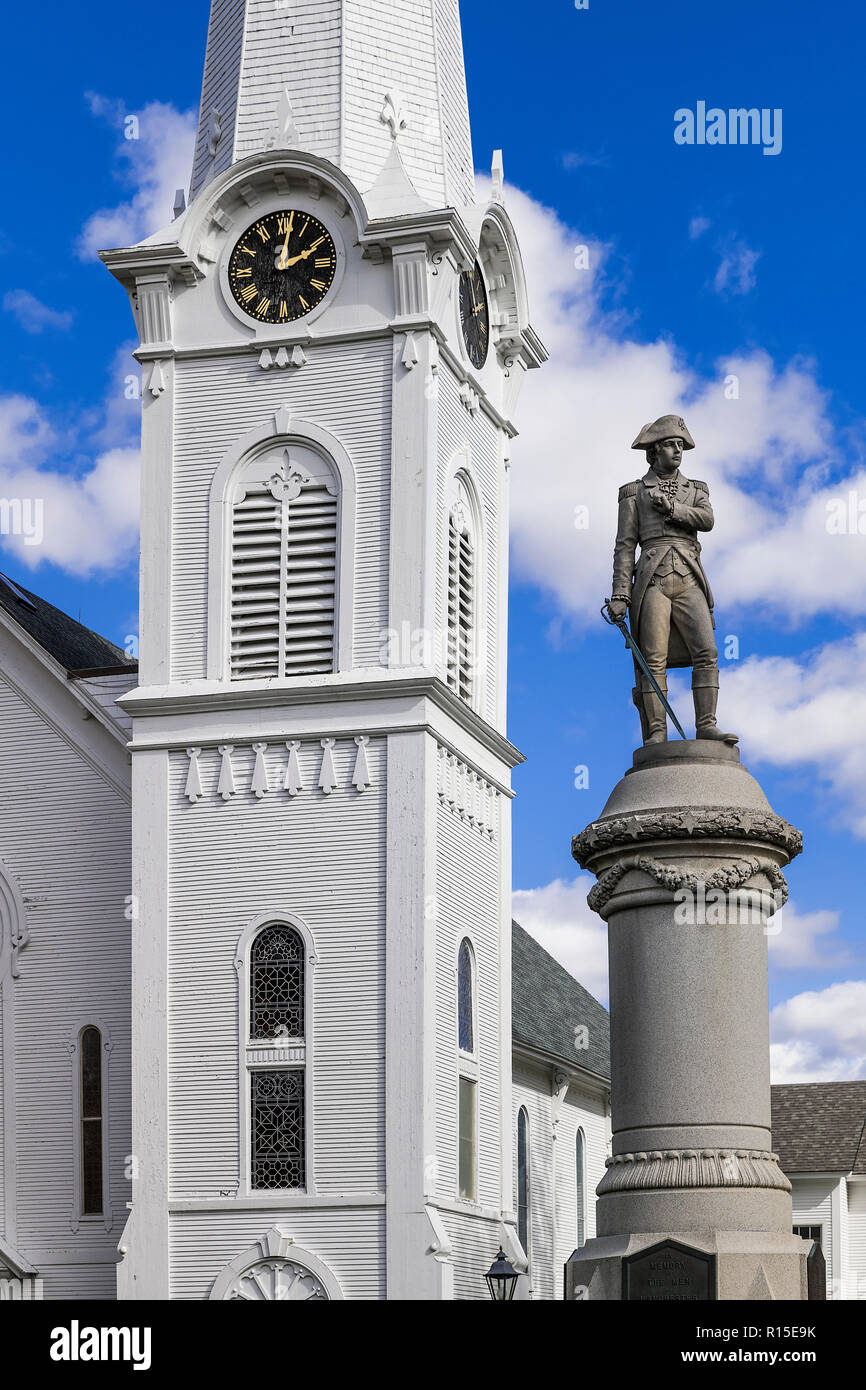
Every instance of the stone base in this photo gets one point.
(751, 1265)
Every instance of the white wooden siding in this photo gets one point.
(219, 89)
(107, 690)
(65, 838)
(468, 904)
(321, 858)
(475, 1241)
(553, 1185)
(349, 1240)
(299, 48)
(812, 1206)
(346, 390)
(856, 1262)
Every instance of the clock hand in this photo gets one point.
(293, 260)
(282, 263)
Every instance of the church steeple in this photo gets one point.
(339, 78)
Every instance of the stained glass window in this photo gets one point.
(277, 1126)
(277, 984)
(91, 1122)
(464, 998)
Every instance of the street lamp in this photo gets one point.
(501, 1279)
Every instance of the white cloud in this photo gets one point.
(697, 227)
(766, 445)
(154, 165)
(558, 917)
(806, 714)
(820, 1035)
(33, 315)
(736, 270)
(87, 518)
(798, 940)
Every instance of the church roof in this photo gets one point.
(548, 1005)
(71, 644)
(820, 1127)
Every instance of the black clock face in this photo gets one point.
(282, 267)
(474, 316)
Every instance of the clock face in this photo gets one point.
(282, 267)
(474, 315)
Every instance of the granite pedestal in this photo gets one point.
(688, 856)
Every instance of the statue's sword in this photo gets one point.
(639, 657)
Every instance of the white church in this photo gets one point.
(256, 947)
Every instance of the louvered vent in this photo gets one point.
(284, 561)
(461, 585)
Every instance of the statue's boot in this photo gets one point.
(655, 716)
(706, 695)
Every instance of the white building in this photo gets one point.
(333, 338)
(819, 1131)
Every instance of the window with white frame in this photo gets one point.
(462, 593)
(580, 1185)
(467, 1079)
(90, 1050)
(277, 1059)
(523, 1180)
(283, 583)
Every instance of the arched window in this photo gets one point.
(90, 1094)
(465, 1025)
(277, 1092)
(523, 1177)
(277, 984)
(462, 593)
(284, 546)
(580, 1184)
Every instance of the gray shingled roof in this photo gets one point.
(74, 646)
(547, 1004)
(820, 1127)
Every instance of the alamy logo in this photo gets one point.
(77, 1343)
(737, 126)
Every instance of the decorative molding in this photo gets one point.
(156, 381)
(690, 1168)
(667, 875)
(686, 823)
(469, 398)
(193, 789)
(284, 133)
(276, 1269)
(73, 1047)
(214, 131)
(466, 794)
(153, 293)
(497, 176)
(393, 113)
(292, 779)
(410, 283)
(409, 356)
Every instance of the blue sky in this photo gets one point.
(704, 261)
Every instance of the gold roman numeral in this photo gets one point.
(263, 231)
(284, 312)
(318, 284)
(249, 292)
(322, 261)
(262, 307)
(303, 301)
(249, 250)
(284, 224)
(317, 242)
(240, 274)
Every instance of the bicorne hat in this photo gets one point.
(666, 427)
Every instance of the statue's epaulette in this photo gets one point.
(701, 487)
(630, 490)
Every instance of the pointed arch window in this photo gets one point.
(276, 1037)
(465, 1022)
(580, 1184)
(284, 547)
(523, 1179)
(462, 593)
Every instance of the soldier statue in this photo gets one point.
(666, 592)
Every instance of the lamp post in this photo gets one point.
(501, 1279)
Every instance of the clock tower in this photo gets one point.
(333, 336)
